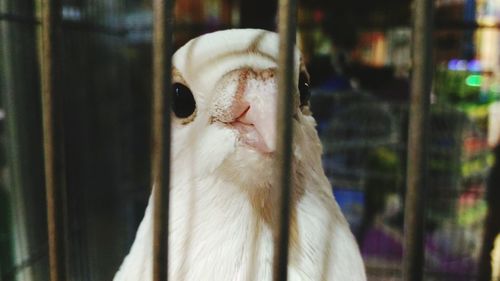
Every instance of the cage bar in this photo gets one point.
(413, 257)
(52, 112)
(287, 29)
(160, 153)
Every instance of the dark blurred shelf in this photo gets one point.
(463, 25)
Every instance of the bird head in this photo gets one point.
(224, 107)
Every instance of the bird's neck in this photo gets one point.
(266, 205)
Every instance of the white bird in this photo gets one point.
(223, 202)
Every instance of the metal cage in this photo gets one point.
(50, 42)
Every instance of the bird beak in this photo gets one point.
(254, 111)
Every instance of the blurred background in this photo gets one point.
(358, 55)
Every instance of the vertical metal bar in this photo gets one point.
(52, 112)
(413, 259)
(287, 29)
(21, 99)
(162, 51)
(492, 224)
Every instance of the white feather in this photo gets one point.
(222, 202)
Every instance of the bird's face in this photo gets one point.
(224, 106)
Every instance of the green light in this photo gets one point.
(473, 80)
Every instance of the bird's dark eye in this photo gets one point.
(305, 92)
(184, 104)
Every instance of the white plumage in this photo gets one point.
(222, 201)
